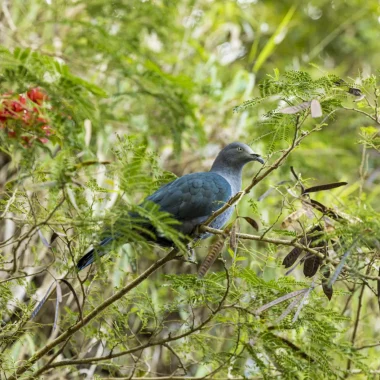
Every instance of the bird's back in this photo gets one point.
(191, 199)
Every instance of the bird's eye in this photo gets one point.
(240, 149)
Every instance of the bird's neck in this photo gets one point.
(232, 174)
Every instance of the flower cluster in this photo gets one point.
(21, 116)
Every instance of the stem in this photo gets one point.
(93, 314)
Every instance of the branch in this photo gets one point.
(290, 243)
(259, 177)
(93, 314)
(162, 342)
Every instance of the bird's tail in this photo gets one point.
(92, 254)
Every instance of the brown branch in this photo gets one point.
(162, 342)
(357, 319)
(363, 113)
(290, 243)
(259, 177)
(93, 314)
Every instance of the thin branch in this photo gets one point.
(93, 314)
(259, 177)
(140, 347)
(290, 243)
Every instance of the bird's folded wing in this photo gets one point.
(193, 196)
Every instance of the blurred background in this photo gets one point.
(138, 92)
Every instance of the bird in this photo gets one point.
(193, 198)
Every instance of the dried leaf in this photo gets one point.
(293, 217)
(41, 303)
(270, 190)
(359, 98)
(291, 257)
(295, 109)
(290, 307)
(279, 300)
(315, 108)
(211, 257)
(340, 266)
(59, 292)
(328, 186)
(252, 222)
(43, 239)
(300, 306)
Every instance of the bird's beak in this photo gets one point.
(256, 157)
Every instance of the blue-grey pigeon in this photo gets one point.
(193, 198)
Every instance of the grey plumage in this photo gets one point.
(193, 198)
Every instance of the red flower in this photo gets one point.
(46, 129)
(36, 95)
(27, 140)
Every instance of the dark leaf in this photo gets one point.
(327, 289)
(339, 82)
(325, 210)
(354, 91)
(311, 266)
(252, 222)
(328, 186)
(53, 237)
(325, 270)
(75, 296)
(211, 257)
(291, 257)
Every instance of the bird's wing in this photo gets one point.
(193, 196)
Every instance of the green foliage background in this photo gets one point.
(143, 91)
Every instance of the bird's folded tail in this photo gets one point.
(92, 254)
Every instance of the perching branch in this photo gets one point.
(260, 176)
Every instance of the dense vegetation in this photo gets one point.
(104, 102)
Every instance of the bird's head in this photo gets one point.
(238, 154)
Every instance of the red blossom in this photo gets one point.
(18, 109)
(36, 95)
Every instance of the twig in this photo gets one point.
(93, 314)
